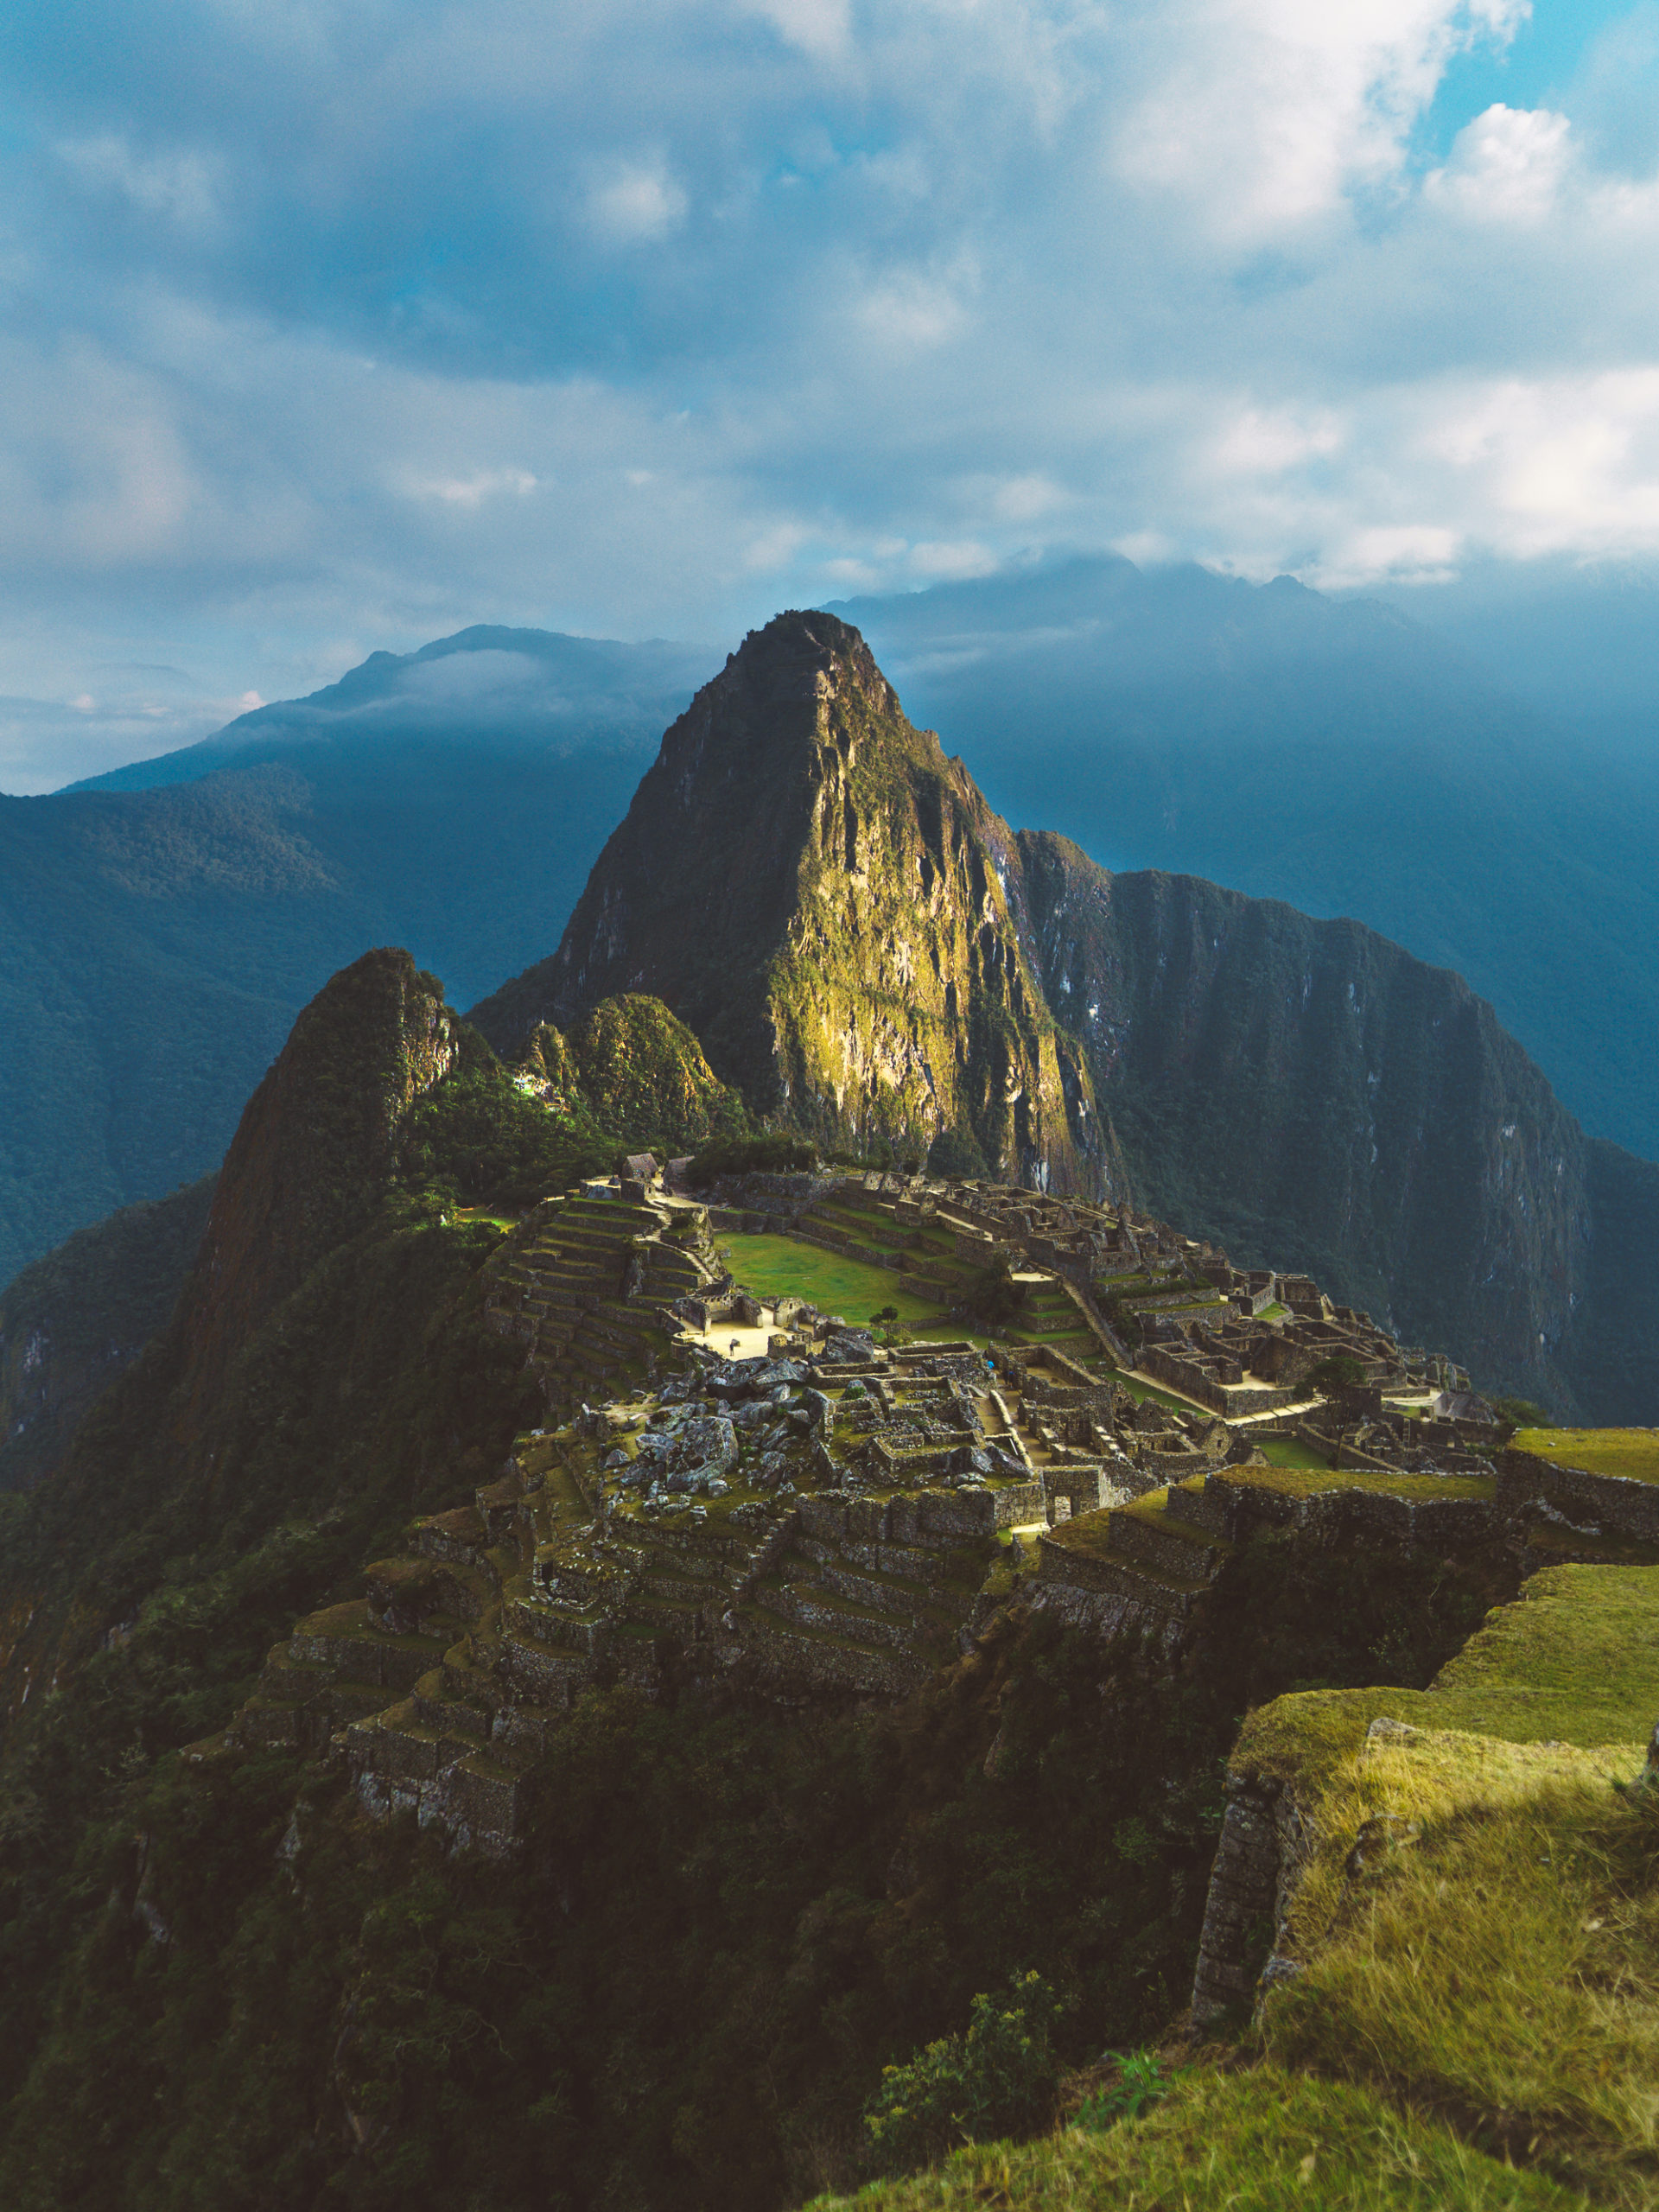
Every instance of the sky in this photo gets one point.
(327, 327)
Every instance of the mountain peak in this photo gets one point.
(316, 1142)
(830, 904)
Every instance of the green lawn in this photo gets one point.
(779, 1267)
(1632, 1452)
(1290, 1451)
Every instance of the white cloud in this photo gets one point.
(939, 562)
(1507, 166)
(1266, 442)
(822, 29)
(177, 186)
(328, 328)
(473, 491)
(914, 310)
(1266, 113)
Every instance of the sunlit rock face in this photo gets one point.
(828, 901)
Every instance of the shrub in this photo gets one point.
(993, 1296)
(998, 2079)
(1140, 2086)
(1522, 1413)
(889, 1326)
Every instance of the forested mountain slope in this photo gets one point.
(227, 1984)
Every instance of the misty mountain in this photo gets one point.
(164, 924)
(1338, 754)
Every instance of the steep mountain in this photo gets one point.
(866, 949)
(810, 884)
(315, 1148)
(1343, 755)
(292, 1365)
(1308, 1087)
(164, 928)
(72, 1321)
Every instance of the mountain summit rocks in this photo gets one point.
(828, 901)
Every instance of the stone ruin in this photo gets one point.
(838, 1519)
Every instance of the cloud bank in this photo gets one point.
(329, 327)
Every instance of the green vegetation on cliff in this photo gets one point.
(1254, 2142)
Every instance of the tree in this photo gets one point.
(1338, 1373)
(887, 1323)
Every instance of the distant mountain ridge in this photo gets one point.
(164, 925)
(866, 951)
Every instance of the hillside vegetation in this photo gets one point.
(227, 1984)
(1467, 1984)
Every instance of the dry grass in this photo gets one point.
(1501, 1968)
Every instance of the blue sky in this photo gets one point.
(328, 326)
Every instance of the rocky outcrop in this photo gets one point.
(316, 1146)
(828, 901)
(631, 1065)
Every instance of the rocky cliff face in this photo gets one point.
(830, 904)
(1308, 1090)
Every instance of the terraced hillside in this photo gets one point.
(584, 1283)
